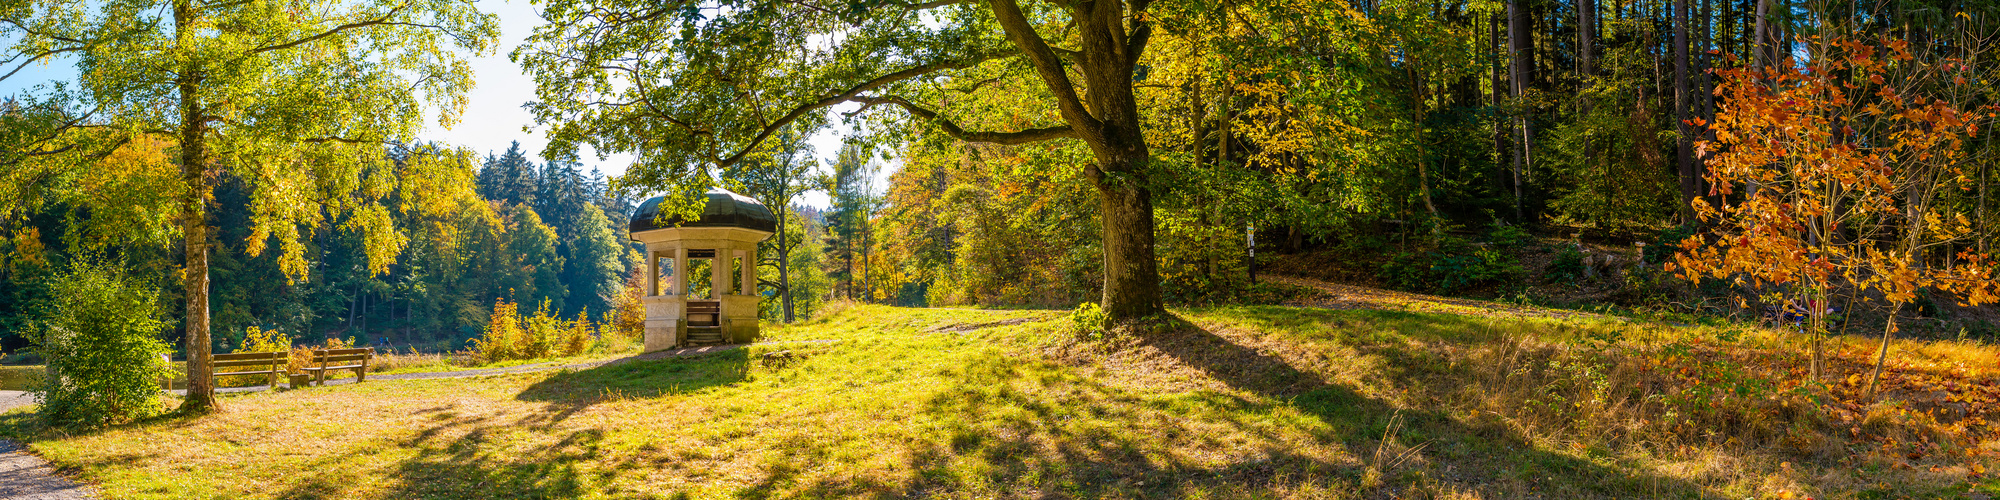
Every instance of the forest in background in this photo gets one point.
(515, 231)
(1419, 141)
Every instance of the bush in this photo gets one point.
(1452, 266)
(510, 336)
(576, 338)
(1567, 266)
(503, 334)
(543, 334)
(1089, 321)
(258, 340)
(102, 346)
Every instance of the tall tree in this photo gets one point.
(690, 87)
(775, 177)
(1520, 77)
(1690, 177)
(295, 97)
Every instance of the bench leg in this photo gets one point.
(361, 374)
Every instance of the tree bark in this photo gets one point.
(1521, 50)
(1690, 181)
(1499, 93)
(194, 225)
(785, 259)
(1109, 124)
(1586, 40)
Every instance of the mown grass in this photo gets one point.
(1228, 402)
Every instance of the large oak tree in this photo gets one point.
(692, 86)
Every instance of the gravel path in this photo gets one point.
(15, 399)
(27, 477)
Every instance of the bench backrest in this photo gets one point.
(274, 358)
(342, 355)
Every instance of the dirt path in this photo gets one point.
(1360, 297)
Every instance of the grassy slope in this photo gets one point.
(1235, 402)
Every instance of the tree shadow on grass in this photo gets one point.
(1015, 431)
(571, 391)
(1499, 461)
(474, 456)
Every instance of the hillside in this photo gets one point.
(1361, 398)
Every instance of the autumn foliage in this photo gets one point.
(1826, 180)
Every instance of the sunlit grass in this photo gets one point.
(1229, 402)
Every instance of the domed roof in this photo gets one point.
(725, 209)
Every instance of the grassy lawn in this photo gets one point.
(1265, 402)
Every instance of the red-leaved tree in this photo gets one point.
(1835, 175)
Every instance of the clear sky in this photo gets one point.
(493, 115)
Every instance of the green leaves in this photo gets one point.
(102, 347)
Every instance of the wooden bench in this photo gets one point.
(271, 364)
(324, 360)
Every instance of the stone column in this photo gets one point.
(652, 271)
(718, 273)
(679, 282)
(749, 272)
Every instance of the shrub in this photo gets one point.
(543, 333)
(503, 335)
(302, 354)
(510, 336)
(102, 346)
(1452, 266)
(259, 340)
(576, 338)
(615, 334)
(1088, 321)
(1567, 266)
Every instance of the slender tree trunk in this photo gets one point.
(1690, 181)
(1762, 46)
(1520, 48)
(194, 224)
(785, 261)
(1882, 355)
(1586, 41)
(1417, 123)
(1500, 126)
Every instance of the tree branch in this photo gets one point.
(38, 57)
(848, 95)
(335, 31)
(1046, 64)
(1142, 31)
(322, 140)
(952, 129)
